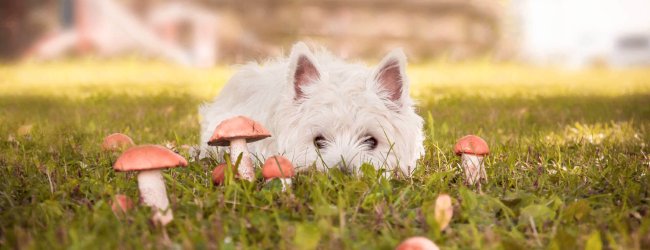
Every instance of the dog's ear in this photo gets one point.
(303, 69)
(390, 75)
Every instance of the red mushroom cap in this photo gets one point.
(471, 144)
(238, 127)
(116, 142)
(271, 169)
(417, 243)
(121, 204)
(148, 157)
(219, 173)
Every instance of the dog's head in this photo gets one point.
(341, 115)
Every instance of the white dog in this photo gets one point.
(323, 111)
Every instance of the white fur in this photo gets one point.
(343, 105)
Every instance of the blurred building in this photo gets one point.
(458, 29)
(202, 32)
(255, 29)
(13, 29)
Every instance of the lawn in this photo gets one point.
(568, 169)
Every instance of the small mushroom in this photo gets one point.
(121, 204)
(149, 160)
(278, 167)
(472, 149)
(219, 174)
(236, 132)
(443, 211)
(417, 243)
(117, 142)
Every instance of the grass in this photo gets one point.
(568, 170)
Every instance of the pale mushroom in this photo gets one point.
(443, 211)
(149, 160)
(236, 132)
(117, 142)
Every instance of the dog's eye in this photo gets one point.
(371, 142)
(320, 142)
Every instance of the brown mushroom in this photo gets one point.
(417, 243)
(149, 160)
(278, 167)
(219, 174)
(117, 142)
(121, 204)
(472, 149)
(236, 132)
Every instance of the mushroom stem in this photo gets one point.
(154, 194)
(245, 169)
(473, 166)
(286, 183)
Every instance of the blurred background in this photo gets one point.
(203, 33)
(560, 90)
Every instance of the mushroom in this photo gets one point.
(117, 142)
(236, 132)
(278, 167)
(121, 204)
(443, 211)
(149, 160)
(472, 149)
(219, 174)
(417, 243)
